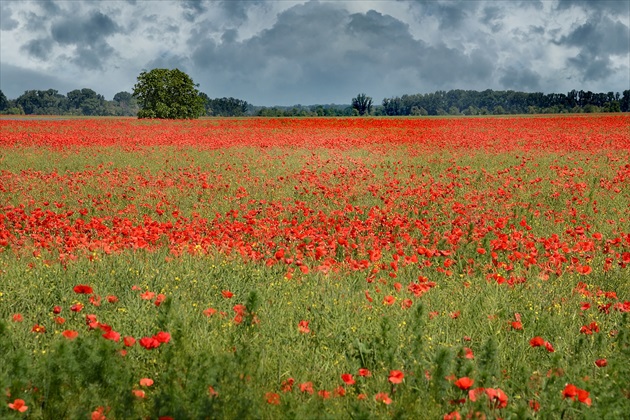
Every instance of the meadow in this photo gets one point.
(315, 268)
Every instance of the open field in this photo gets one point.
(315, 268)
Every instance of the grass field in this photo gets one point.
(315, 268)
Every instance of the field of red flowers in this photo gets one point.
(315, 268)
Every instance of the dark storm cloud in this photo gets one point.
(13, 79)
(620, 7)
(492, 17)
(49, 7)
(39, 48)
(520, 79)
(88, 34)
(193, 9)
(318, 49)
(7, 23)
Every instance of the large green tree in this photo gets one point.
(164, 93)
(362, 103)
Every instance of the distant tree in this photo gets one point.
(86, 102)
(226, 107)
(43, 102)
(4, 102)
(125, 104)
(362, 103)
(164, 93)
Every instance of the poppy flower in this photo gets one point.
(112, 299)
(149, 343)
(227, 294)
(549, 347)
(365, 372)
(99, 414)
(83, 289)
(464, 383)
(536, 341)
(129, 341)
(348, 379)
(162, 337)
(287, 385)
(59, 320)
(78, 307)
(209, 311)
(396, 376)
(112, 335)
(146, 382)
(138, 393)
(324, 394)
(340, 391)
(38, 328)
(70, 334)
(468, 353)
(18, 405)
(497, 397)
(517, 325)
(601, 362)
(453, 415)
(306, 387)
(272, 398)
(17, 318)
(57, 310)
(383, 397)
(148, 295)
(303, 327)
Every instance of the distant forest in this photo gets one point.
(86, 102)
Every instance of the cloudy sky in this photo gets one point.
(317, 52)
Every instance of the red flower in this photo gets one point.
(453, 415)
(324, 394)
(307, 387)
(149, 343)
(159, 299)
(389, 300)
(517, 325)
(112, 335)
(83, 289)
(38, 328)
(534, 405)
(209, 311)
(78, 307)
(383, 397)
(340, 391)
(348, 379)
(549, 347)
(536, 342)
(569, 391)
(464, 383)
(57, 310)
(468, 353)
(497, 397)
(272, 398)
(148, 295)
(18, 318)
(112, 299)
(146, 382)
(18, 405)
(138, 393)
(162, 337)
(303, 327)
(364, 372)
(601, 362)
(70, 334)
(396, 376)
(129, 341)
(287, 385)
(227, 294)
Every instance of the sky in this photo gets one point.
(317, 52)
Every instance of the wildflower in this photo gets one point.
(18, 405)
(468, 353)
(517, 325)
(70, 334)
(77, 307)
(534, 405)
(38, 328)
(146, 382)
(453, 415)
(601, 362)
(95, 300)
(129, 341)
(212, 391)
(57, 310)
(112, 299)
(389, 300)
(324, 394)
(83, 289)
(272, 398)
(162, 337)
(348, 379)
(549, 347)
(287, 385)
(59, 320)
(209, 311)
(99, 413)
(365, 372)
(149, 343)
(340, 391)
(303, 327)
(464, 383)
(159, 299)
(306, 387)
(497, 397)
(383, 397)
(396, 376)
(148, 295)
(227, 294)
(361, 397)
(112, 335)
(18, 318)
(536, 341)
(138, 393)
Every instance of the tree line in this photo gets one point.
(86, 102)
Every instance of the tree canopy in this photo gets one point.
(362, 103)
(164, 93)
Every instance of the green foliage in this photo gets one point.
(362, 104)
(164, 93)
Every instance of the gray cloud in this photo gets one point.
(16, 80)
(270, 52)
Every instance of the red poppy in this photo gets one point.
(497, 397)
(348, 379)
(18, 405)
(138, 393)
(272, 398)
(59, 320)
(324, 394)
(149, 343)
(340, 391)
(306, 387)
(57, 310)
(227, 294)
(148, 295)
(389, 300)
(364, 372)
(537, 342)
(146, 382)
(162, 337)
(112, 299)
(517, 325)
(209, 311)
(601, 362)
(468, 353)
(112, 335)
(17, 318)
(129, 341)
(70, 334)
(83, 289)
(78, 307)
(287, 385)
(464, 383)
(383, 397)
(38, 328)
(303, 327)
(396, 376)
(549, 347)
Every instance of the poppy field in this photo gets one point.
(315, 268)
